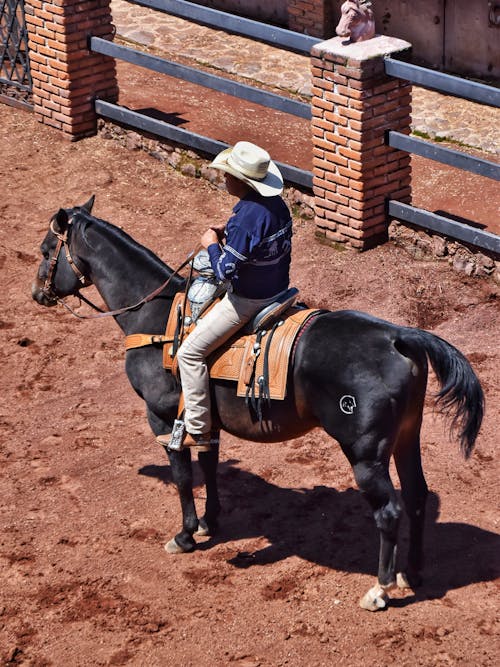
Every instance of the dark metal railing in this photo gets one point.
(221, 84)
(438, 223)
(15, 75)
(214, 18)
(442, 82)
(286, 39)
(444, 155)
(195, 141)
(190, 139)
(466, 89)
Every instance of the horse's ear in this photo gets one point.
(60, 221)
(89, 204)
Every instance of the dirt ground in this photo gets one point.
(87, 499)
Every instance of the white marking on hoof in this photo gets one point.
(173, 548)
(376, 598)
(402, 580)
(202, 532)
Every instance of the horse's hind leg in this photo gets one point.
(208, 463)
(414, 492)
(374, 482)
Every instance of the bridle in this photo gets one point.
(62, 242)
(47, 289)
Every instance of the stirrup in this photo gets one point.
(180, 439)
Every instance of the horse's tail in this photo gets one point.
(461, 396)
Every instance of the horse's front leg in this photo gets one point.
(375, 483)
(182, 475)
(209, 462)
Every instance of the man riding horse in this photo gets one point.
(253, 263)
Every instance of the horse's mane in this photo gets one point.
(84, 222)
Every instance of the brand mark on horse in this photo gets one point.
(347, 404)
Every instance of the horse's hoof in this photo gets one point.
(203, 531)
(375, 600)
(402, 580)
(172, 547)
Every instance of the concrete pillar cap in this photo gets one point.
(378, 46)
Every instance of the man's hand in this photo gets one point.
(212, 235)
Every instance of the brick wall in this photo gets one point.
(311, 17)
(354, 104)
(66, 77)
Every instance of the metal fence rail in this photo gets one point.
(444, 155)
(463, 88)
(444, 83)
(263, 32)
(191, 139)
(446, 226)
(221, 84)
(195, 141)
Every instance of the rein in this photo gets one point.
(62, 242)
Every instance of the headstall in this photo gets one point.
(62, 242)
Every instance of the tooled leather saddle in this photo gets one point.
(256, 358)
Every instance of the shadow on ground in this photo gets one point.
(335, 529)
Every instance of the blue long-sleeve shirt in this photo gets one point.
(256, 256)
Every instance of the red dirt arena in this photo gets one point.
(88, 503)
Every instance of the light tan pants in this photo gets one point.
(212, 330)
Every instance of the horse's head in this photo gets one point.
(356, 21)
(59, 274)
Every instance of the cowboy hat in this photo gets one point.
(252, 165)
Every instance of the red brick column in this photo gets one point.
(354, 103)
(311, 17)
(66, 76)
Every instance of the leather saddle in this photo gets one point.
(257, 358)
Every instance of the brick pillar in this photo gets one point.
(66, 76)
(311, 17)
(354, 103)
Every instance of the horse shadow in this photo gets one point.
(336, 530)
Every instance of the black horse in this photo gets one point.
(360, 378)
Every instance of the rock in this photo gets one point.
(484, 265)
(463, 264)
(439, 246)
(188, 169)
(174, 160)
(133, 141)
(51, 441)
(496, 273)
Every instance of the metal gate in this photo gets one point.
(15, 75)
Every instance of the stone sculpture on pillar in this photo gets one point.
(356, 22)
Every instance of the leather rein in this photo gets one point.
(63, 242)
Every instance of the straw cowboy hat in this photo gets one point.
(252, 165)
